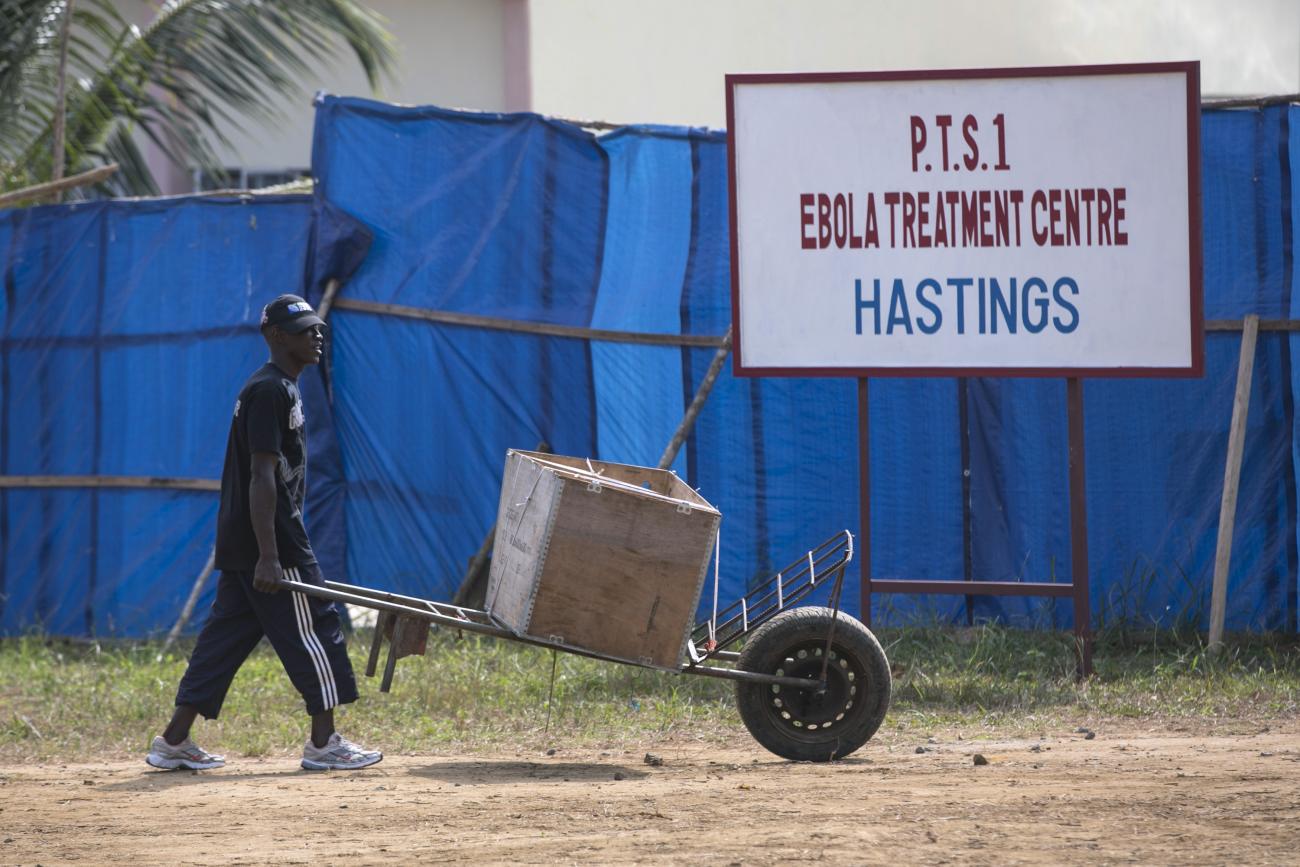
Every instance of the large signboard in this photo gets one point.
(1013, 222)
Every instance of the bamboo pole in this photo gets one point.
(188, 610)
(1252, 101)
(327, 298)
(1262, 324)
(1231, 481)
(697, 404)
(40, 191)
(447, 317)
(148, 482)
(541, 328)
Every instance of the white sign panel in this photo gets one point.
(1022, 222)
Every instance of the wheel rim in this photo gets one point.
(814, 711)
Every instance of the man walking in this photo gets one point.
(261, 540)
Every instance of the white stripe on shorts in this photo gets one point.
(311, 642)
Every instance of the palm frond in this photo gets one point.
(133, 177)
(199, 68)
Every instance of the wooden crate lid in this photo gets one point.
(637, 481)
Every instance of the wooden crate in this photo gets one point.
(604, 557)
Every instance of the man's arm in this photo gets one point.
(261, 508)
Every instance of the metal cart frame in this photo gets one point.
(813, 669)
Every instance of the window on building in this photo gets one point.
(240, 178)
(257, 180)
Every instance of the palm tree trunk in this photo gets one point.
(60, 104)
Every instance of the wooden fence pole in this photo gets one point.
(1231, 480)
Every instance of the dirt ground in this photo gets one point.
(1123, 796)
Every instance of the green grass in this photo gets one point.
(1022, 681)
(64, 700)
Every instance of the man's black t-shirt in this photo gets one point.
(268, 418)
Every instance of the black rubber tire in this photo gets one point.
(808, 725)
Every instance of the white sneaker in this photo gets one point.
(186, 754)
(338, 754)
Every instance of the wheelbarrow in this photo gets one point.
(609, 561)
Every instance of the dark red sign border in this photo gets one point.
(1191, 69)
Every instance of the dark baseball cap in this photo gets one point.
(290, 313)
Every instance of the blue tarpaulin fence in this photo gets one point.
(128, 328)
